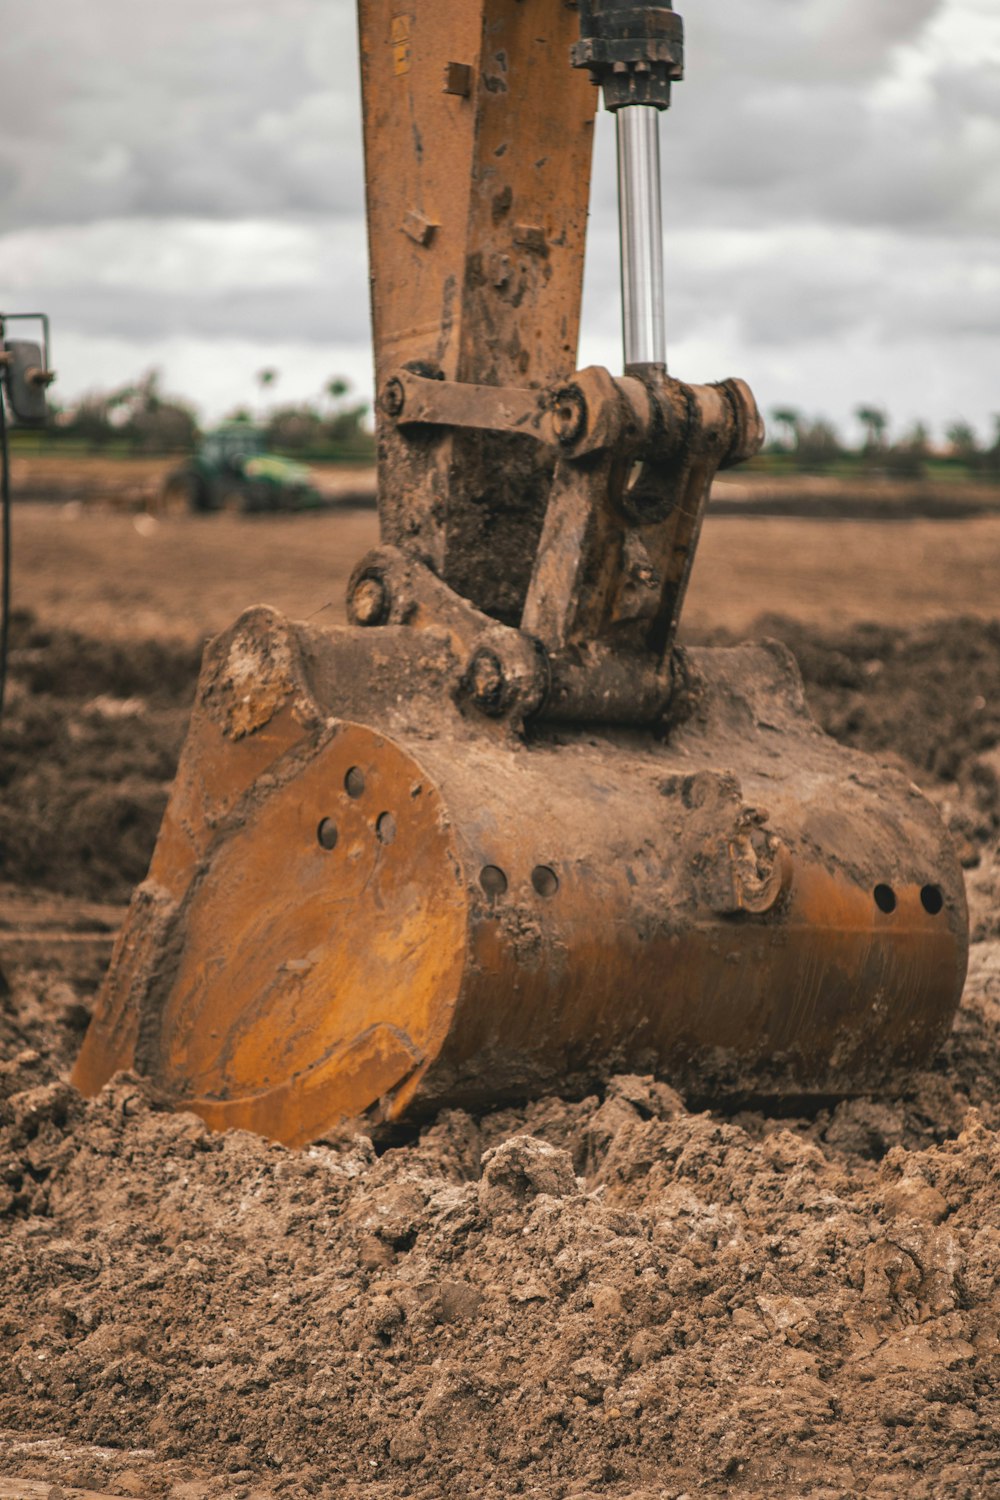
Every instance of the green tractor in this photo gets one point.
(232, 471)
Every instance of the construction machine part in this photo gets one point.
(477, 213)
(500, 834)
(426, 908)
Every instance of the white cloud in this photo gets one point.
(229, 108)
(198, 257)
(182, 185)
(220, 371)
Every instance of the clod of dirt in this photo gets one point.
(913, 1198)
(520, 1169)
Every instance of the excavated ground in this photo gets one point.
(608, 1297)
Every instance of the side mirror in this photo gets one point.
(24, 369)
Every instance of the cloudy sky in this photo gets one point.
(181, 186)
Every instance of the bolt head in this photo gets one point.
(486, 681)
(569, 415)
(370, 601)
(393, 398)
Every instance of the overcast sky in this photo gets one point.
(181, 186)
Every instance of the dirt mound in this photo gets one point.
(88, 747)
(929, 696)
(612, 1297)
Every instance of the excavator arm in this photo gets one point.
(501, 834)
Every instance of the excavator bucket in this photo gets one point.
(501, 834)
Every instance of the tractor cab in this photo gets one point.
(230, 446)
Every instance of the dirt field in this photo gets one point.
(608, 1297)
(122, 576)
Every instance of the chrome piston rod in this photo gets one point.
(641, 231)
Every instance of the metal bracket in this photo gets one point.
(635, 457)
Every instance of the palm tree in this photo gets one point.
(875, 423)
(790, 418)
(964, 442)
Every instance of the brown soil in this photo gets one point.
(860, 497)
(612, 1297)
(89, 743)
(127, 577)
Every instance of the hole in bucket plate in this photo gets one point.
(385, 828)
(326, 833)
(885, 898)
(354, 782)
(493, 880)
(932, 899)
(545, 880)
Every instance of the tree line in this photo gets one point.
(815, 444)
(140, 417)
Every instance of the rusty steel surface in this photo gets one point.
(502, 913)
(477, 212)
(477, 204)
(500, 835)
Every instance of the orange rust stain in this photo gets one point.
(312, 980)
